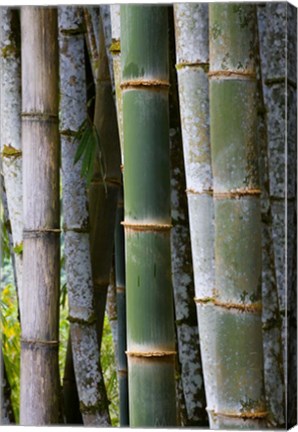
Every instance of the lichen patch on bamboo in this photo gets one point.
(11, 152)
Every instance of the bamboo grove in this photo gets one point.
(148, 184)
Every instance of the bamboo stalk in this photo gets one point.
(278, 57)
(150, 330)
(234, 309)
(121, 312)
(41, 214)
(82, 318)
(103, 192)
(271, 319)
(182, 270)
(10, 129)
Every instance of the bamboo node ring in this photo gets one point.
(146, 226)
(243, 307)
(202, 192)
(237, 193)
(144, 84)
(34, 233)
(39, 343)
(231, 74)
(244, 415)
(150, 353)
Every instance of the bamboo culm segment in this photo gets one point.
(85, 348)
(103, 196)
(192, 383)
(150, 330)
(192, 64)
(10, 132)
(41, 252)
(238, 356)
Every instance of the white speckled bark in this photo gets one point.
(278, 60)
(77, 247)
(191, 31)
(115, 24)
(10, 127)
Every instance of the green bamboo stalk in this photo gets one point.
(150, 331)
(41, 215)
(93, 404)
(182, 269)
(6, 409)
(103, 192)
(121, 312)
(234, 310)
(10, 128)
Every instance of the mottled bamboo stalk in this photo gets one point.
(41, 215)
(182, 270)
(235, 307)
(278, 60)
(85, 348)
(10, 129)
(271, 318)
(150, 326)
(111, 311)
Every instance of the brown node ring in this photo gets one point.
(146, 227)
(144, 84)
(231, 73)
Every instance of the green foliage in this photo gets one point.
(109, 370)
(11, 332)
(89, 149)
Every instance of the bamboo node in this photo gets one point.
(115, 47)
(40, 116)
(122, 168)
(39, 343)
(146, 226)
(144, 84)
(76, 320)
(120, 289)
(244, 415)
(35, 233)
(194, 65)
(150, 353)
(11, 152)
(237, 193)
(232, 74)
(122, 372)
(243, 307)
(203, 192)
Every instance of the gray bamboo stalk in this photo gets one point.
(10, 129)
(115, 50)
(105, 14)
(41, 214)
(182, 270)
(235, 307)
(91, 19)
(82, 316)
(103, 192)
(150, 329)
(278, 46)
(271, 318)
(6, 409)
(191, 26)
